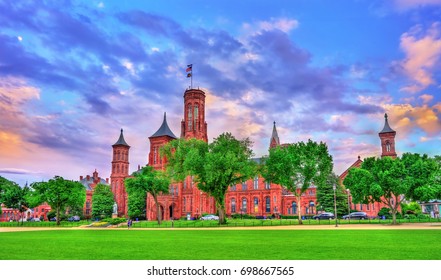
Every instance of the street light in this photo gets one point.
(335, 205)
(349, 204)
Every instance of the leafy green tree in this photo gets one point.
(137, 205)
(297, 166)
(424, 177)
(389, 180)
(146, 180)
(102, 201)
(215, 167)
(59, 194)
(411, 208)
(13, 196)
(325, 196)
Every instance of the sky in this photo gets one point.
(73, 73)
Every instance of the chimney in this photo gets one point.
(107, 180)
(139, 167)
(88, 177)
(81, 178)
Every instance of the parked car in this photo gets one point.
(74, 219)
(34, 220)
(54, 219)
(210, 217)
(356, 216)
(324, 216)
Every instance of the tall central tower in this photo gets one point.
(193, 125)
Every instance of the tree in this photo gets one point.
(390, 180)
(102, 201)
(215, 167)
(325, 196)
(59, 194)
(146, 180)
(297, 166)
(13, 196)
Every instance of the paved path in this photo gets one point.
(419, 226)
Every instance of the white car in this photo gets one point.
(210, 217)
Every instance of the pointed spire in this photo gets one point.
(274, 137)
(386, 127)
(121, 140)
(164, 130)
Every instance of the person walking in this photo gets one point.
(129, 223)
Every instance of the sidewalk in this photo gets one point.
(419, 226)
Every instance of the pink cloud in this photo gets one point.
(410, 4)
(423, 55)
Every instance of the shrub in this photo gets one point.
(100, 224)
(385, 212)
(114, 221)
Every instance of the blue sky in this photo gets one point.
(73, 73)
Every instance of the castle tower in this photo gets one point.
(387, 137)
(161, 137)
(120, 171)
(193, 125)
(274, 142)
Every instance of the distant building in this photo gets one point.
(90, 182)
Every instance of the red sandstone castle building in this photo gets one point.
(253, 197)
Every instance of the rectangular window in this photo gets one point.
(267, 185)
(244, 186)
(233, 188)
(256, 183)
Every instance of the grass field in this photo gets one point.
(221, 245)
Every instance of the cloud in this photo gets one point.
(411, 4)
(282, 24)
(426, 98)
(423, 54)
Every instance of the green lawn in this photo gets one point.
(222, 245)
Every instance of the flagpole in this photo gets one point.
(191, 78)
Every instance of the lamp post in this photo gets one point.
(335, 205)
(349, 205)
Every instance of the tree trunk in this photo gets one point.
(394, 216)
(58, 215)
(299, 208)
(158, 210)
(221, 210)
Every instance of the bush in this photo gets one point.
(385, 212)
(114, 221)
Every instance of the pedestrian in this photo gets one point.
(129, 223)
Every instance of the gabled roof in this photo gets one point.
(386, 127)
(164, 130)
(121, 140)
(357, 163)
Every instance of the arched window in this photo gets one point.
(233, 205)
(388, 146)
(196, 114)
(311, 206)
(190, 118)
(294, 208)
(256, 205)
(244, 205)
(267, 204)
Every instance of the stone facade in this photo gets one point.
(253, 197)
